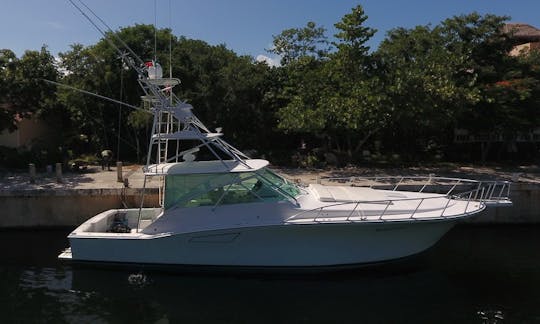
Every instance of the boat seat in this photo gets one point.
(143, 224)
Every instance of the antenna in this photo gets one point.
(105, 36)
(155, 30)
(170, 48)
(170, 41)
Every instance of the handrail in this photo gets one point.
(483, 193)
(395, 183)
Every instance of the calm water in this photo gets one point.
(474, 275)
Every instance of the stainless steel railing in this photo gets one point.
(493, 191)
(445, 189)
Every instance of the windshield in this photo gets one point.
(193, 190)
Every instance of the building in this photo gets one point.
(28, 130)
(525, 37)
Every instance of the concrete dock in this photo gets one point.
(81, 195)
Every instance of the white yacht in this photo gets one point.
(221, 208)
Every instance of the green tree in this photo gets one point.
(22, 88)
(421, 73)
(506, 85)
(441, 78)
(100, 69)
(337, 98)
(226, 90)
(294, 43)
(8, 66)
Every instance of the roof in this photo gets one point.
(198, 167)
(522, 32)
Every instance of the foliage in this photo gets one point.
(340, 98)
(294, 43)
(226, 90)
(23, 90)
(334, 96)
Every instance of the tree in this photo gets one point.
(294, 43)
(445, 77)
(23, 87)
(336, 97)
(8, 66)
(420, 74)
(226, 90)
(100, 69)
(506, 84)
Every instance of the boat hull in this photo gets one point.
(288, 245)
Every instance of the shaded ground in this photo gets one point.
(95, 178)
(92, 178)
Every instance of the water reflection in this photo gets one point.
(473, 275)
(491, 316)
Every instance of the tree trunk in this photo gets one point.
(484, 150)
(363, 141)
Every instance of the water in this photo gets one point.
(474, 275)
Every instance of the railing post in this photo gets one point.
(446, 206)
(59, 172)
(385, 208)
(119, 176)
(480, 186)
(316, 217)
(453, 187)
(32, 171)
(352, 211)
(428, 182)
(414, 212)
(468, 201)
(400, 180)
(501, 191)
(491, 190)
(482, 195)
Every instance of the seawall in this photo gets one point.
(71, 207)
(525, 209)
(65, 207)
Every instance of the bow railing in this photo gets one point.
(472, 196)
(490, 192)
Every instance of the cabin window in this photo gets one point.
(193, 190)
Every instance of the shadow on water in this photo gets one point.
(474, 275)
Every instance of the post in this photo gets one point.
(32, 171)
(59, 172)
(119, 176)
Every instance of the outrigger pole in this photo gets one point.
(95, 95)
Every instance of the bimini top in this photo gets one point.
(195, 167)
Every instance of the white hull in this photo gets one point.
(272, 234)
(269, 246)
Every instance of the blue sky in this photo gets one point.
(245, 26)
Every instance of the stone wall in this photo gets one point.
(525, 209)
(67, 207)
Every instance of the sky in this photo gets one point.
(244, 26)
